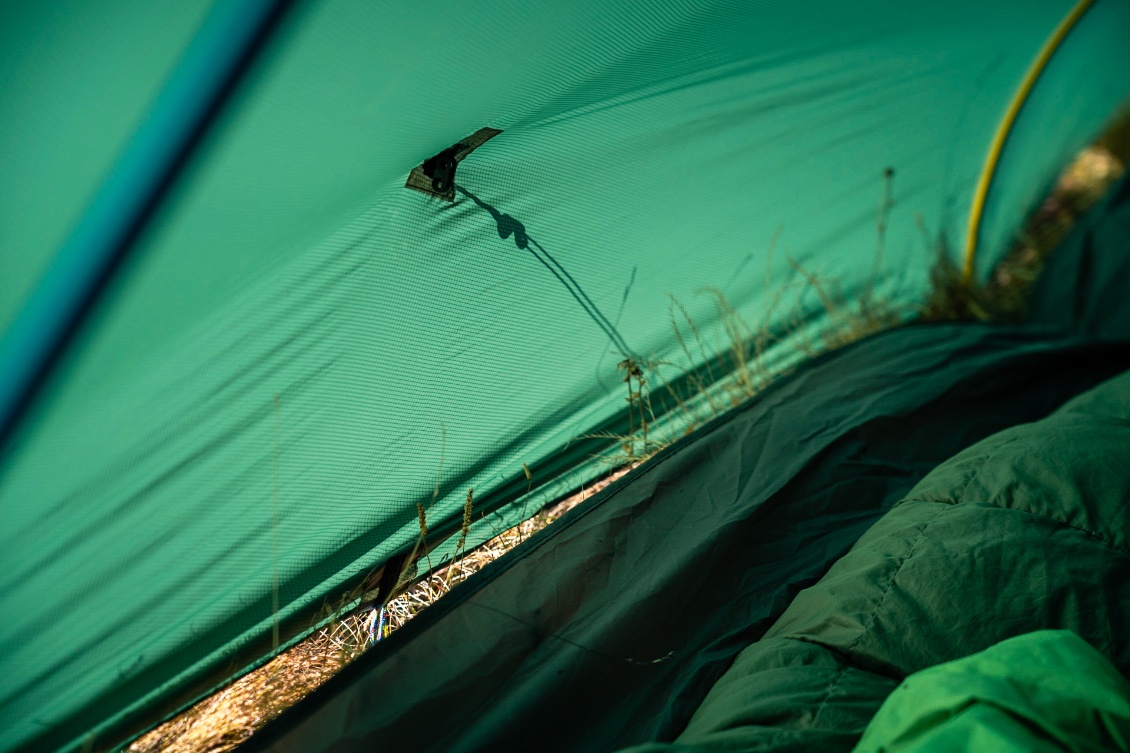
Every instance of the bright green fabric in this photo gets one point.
(1044, 691)
(302, 346)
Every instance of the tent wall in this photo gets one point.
(1080, 288)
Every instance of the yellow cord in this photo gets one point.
(1005, 128)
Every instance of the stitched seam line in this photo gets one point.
(870, 621)
(977, 472)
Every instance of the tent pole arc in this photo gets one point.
(221, 52)
(1037, 67)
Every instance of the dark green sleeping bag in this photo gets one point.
(1024, 531)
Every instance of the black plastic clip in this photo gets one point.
(436, 176)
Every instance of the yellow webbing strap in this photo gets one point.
(1005, 128)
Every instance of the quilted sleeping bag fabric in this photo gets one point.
(1027, 530)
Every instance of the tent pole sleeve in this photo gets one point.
(1005, 127)
(227, 43)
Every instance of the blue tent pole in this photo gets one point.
(233, 33)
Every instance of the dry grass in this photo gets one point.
(1004, 298)
(225, 719)
(669, 399)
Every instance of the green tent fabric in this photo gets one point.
(1044, 691)
(299, 346)
(1072, 293)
